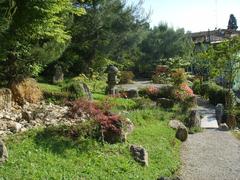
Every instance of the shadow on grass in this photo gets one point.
(59, 139)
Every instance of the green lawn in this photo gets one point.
(42, 154)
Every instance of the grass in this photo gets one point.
(42, 154)
(49, 88)
(237, 135)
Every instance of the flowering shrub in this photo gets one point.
(184, 92)
(152, 90)
(161, 75)
(110, 124)
(178, 77)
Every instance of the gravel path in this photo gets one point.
(212, 154)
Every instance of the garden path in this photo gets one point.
(207, 112)
(211, 154)
(137, 85)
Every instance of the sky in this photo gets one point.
(192, 15)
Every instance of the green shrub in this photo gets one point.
(204, 89)
(196, 87)
(126, 77)
(74, 89)
(144, 103)
(216, 94)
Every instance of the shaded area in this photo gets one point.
(60, 139)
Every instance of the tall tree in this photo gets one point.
(163, 43)
(110, 31)
(36, 35)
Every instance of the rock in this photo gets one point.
(168, 178)
(58, 76)
(219, 110)
(3, 152)
(26, 115)
(128, 128)
(26, 90)
(87, 91)
(139, 154)
(165, 103)
(194, 119)
(14, 127)
(3, 125)
(182, 132)
(5, 98)
(223, 127)
(175, 124)
(132, 93)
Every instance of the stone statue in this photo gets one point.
(112, 79)
(232, 23)
(58, 76)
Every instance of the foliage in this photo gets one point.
(35, 38)
(196, 86)
(109, 123)
(126, 77)
(97, 81)
(161, 75)
(216, 94)
(164, 44)
(144, 103)
(115, 31)
(178, 77)
(117, 103)
(74, 89)
(225, 61)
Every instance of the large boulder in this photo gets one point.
(182, 132)
(5, 98)
(3, 152)
(26, 90)
(194, 119)
(165, 103)
(139, 154)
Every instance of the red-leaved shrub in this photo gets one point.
(110, 124)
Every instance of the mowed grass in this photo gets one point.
(42, 154)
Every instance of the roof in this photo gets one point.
(214, 36)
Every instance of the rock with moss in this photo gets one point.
(3, 152)
(194, 119)
(139, 154)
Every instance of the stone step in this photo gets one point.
(209, 122)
